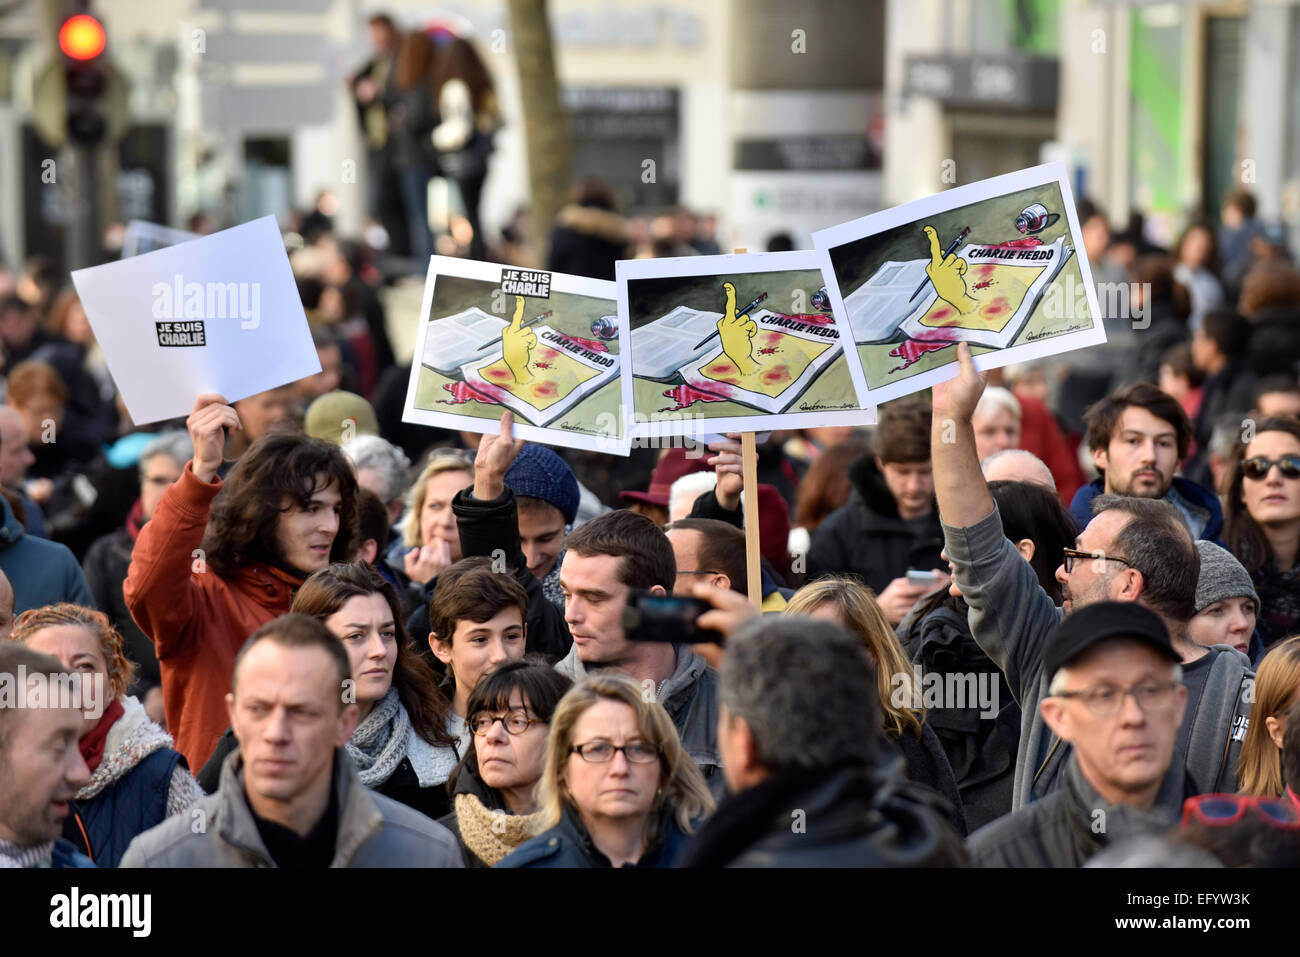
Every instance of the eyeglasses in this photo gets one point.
(602, 752)
(1105, 700)
(1223, 810)
(1257, 468)
(1072, 553)
(515, 722)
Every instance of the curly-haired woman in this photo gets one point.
(137, 781)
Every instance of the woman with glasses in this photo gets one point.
(1277, 687)
(617, 789)
(495, 788)
(1262, 526)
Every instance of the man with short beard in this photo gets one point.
(1137, 436)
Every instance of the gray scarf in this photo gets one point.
(379, 743)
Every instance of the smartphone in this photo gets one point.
(923, 579)
(670, 618)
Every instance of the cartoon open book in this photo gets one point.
(1007, 280)
(455, 340)
(662, 347)
(562, 373)
(789, 353)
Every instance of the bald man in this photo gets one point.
(1017, 465)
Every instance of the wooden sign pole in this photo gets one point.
(749, 498)
(753, 551)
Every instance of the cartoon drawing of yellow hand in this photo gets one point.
(949, 276)
(517, 344)
(736, 333)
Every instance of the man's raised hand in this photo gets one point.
(956, 398)
(495, 455)
(208, 422)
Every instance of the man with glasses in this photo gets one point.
(1133, 550)
(1116, 695)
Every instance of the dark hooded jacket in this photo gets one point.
(843, 816)
(981, 752)
(867, 537)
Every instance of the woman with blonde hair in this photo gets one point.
(138, 779)
(617, 788)
(1277, 681)
(847, 602)
(430, 541)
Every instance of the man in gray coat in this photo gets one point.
(290, 797)
(1134, 549)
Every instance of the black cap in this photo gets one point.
(1095, 623)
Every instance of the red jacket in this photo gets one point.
(196, 619)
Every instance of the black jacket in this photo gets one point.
(587, 241)
(866, 536)
(928, 765)
(105, 567)
(829, 817)
(492, 529)
(981, 752)
(1275, 341)
(1073, 823)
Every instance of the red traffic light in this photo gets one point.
(82, 37)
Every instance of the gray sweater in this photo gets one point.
(219, 830)
(1011, 617)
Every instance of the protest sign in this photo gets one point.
(998, 264)
(547, 346)
(220, 313)
(736, 343)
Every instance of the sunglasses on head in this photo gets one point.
(1258, 467)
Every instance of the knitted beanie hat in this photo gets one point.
(1222, 577)
(539, 473)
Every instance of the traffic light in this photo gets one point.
(82, 41)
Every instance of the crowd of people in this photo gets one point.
(1048, 616)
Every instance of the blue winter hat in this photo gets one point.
(539, 473)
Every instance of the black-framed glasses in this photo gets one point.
(1071, 554)
(515, 722)
(1258, 467)
(602, 752)
(1105, 700)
